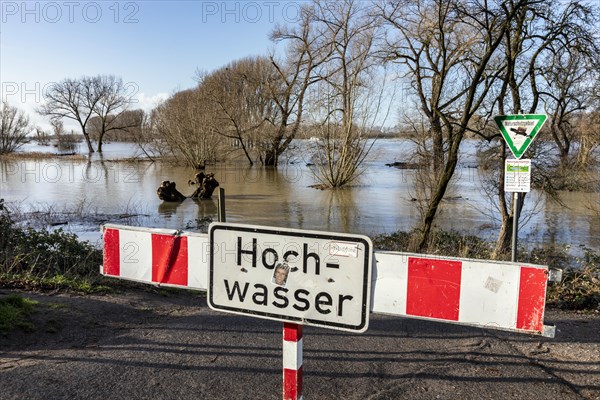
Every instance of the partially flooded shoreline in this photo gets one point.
(78, 193)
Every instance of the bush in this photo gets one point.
(451, 244)
(580, 287)
(42, 257)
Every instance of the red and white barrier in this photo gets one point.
(292, 361)
(489, 294)
(500, 295)
(158, 256)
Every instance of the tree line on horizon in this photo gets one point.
(459, 63)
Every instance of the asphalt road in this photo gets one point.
(166, 345)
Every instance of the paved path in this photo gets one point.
(168, 345)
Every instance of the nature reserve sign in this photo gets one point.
(519, 130)
(307, 277)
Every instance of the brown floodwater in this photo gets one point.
(380, 201)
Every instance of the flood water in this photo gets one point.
(379, 202)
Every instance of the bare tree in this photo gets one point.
(42, 136)
(146, 136)
(80, 99)
(570, 77)
(14, 128)
(588, 128)
(113, 101)
(343, 103)
(294, 75)
(120, 127)
(241, 103)
(449, 51)
(73, 99)
(539, 35)
(184, 124)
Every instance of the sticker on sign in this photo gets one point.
(306, 277)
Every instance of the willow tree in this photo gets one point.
(14, 128)
(186, 125)
(341, 101)
(241, 105)
(449, 51)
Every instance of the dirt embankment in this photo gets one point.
(170, 345)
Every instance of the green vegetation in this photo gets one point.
(580, 287)
(450, 244)
(42, 259)
(14, 311)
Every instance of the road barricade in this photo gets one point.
(487, 294)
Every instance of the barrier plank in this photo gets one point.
(488, 294)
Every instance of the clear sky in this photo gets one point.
(154, 46)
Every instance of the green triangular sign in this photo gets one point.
(519, 130)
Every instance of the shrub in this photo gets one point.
(35, 256)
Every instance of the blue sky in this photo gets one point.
(155, 46)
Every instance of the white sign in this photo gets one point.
(519, 130)
(517, 176)
(306, 277)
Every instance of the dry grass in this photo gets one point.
(42, 156)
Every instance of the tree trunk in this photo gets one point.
(438, 194)
(271, 158)
(438, 146)
(504, 236)
(87, 140)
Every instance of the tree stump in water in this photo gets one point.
(207, 185)
(167, 191)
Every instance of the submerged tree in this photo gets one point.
(449, 51)
(187, 128)
(241, 105)
(544, 63)
(14, 128)
(72, 99)
(344, 102)
(113, 102)
(304, 55)
(81, 99)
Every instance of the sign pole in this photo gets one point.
(515, 227)
(221, 215)
(292, 361)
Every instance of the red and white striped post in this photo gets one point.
(292, 361)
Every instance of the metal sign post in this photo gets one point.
(515, 228)
(221, 215)
(518, 131)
